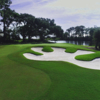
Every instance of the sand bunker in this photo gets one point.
(59, 54)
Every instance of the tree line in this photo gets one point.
(86, 34)
(15, 25)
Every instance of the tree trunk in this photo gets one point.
(29, 38)
(4, 31)
(4, 27)
(96, 46)
(41, 37)
(24, 38)
(99, 46)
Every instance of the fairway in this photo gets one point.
(24, 79)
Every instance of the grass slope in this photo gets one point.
(47, 49)
(23, 79)
(70, 50)
(19, 81)
(88, 57)
(28, 50)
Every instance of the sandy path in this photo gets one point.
(59, 54)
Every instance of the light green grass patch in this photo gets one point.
(70, 50)
(28, 50)
(47, 49)
(88, 57)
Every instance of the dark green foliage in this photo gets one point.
(6, 16)
(66, 35)
(47, 49)
(97, 38)
(79, 30)
(76, 31)
(57, 31)
(27, 25)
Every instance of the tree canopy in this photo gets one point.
(15, 26)
(25, 25)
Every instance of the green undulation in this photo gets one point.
(88, 57)
(47, 49)
(28, 50)
(70, 50)
(23, 79)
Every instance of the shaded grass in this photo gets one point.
(47, 49)
(28, 50)
(20, 81)
(70, 50)
(88, 57)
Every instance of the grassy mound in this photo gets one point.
(28, 50)
(70, 50)
(47, 49)
(88, 57)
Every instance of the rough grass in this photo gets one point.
(47, 49)
(70, 50)
(23, 79)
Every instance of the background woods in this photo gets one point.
(15, 28)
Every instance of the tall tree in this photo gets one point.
(43, 27)
(66, 35)
(97, 38)
(82, 29)
(79, 30)
(58, 31)
(91, 33)
(30, 27)
(69, 31)
(27, 25)
(4, 13)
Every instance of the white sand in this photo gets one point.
(59, 54)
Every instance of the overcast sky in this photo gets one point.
(66, 13)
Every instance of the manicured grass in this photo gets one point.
(20, 81)
(70, 50)
(28, 50)
(47, 49)
(23, 79)
(88, 57)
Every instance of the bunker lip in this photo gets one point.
(59, 54)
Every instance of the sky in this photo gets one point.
(66, 13)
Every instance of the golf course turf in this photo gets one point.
(71, 50)
(24, 79)
(88, 57)
(47, 49)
